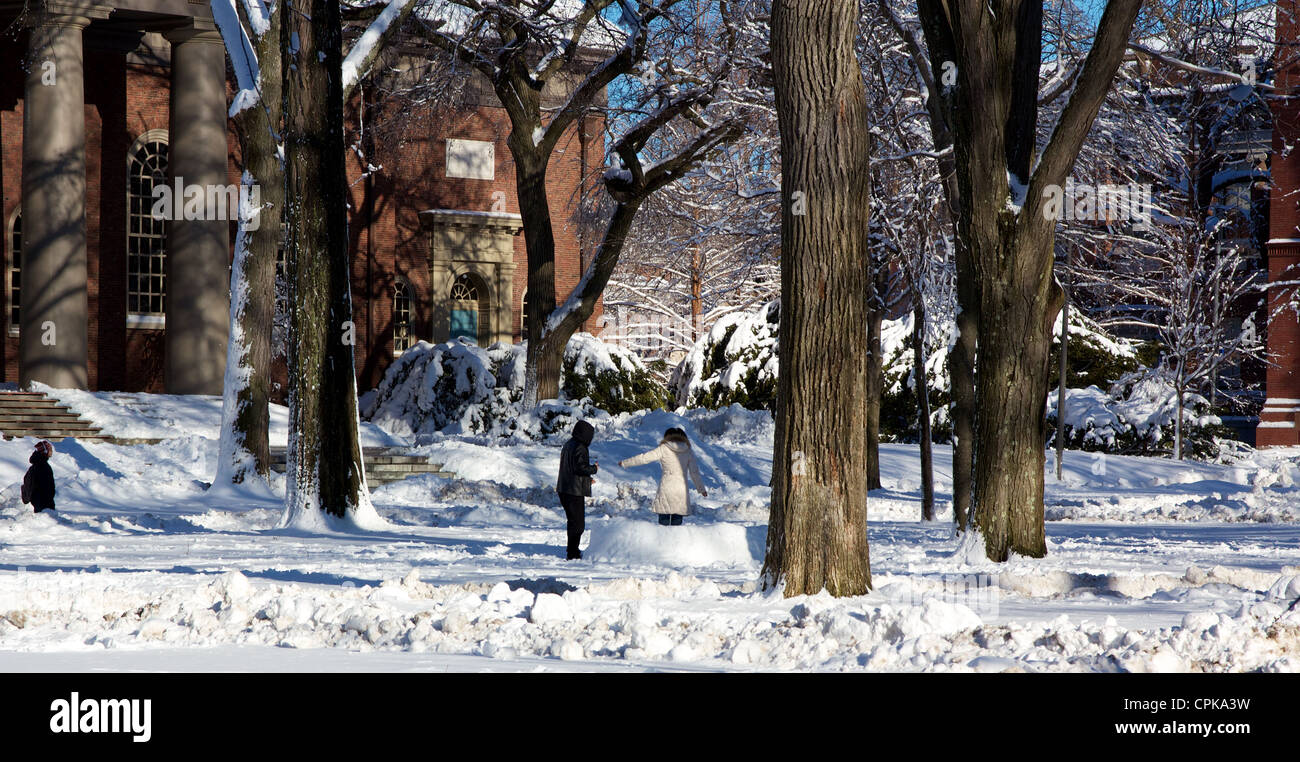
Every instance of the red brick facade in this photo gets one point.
(392, 243)
(1280, 418)
(125, 99)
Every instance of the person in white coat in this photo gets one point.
(675, 458)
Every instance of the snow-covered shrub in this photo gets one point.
(898, 420)
(1095, 357)
(735, 363)
(1136, 418)
(455, 387)
(460, 388)
(614, 378)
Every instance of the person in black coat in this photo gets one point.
(38, 483)
(574, 484)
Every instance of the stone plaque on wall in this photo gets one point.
(473, 159)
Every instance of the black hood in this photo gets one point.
(583, 432)
(37, 457)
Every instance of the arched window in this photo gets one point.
(146, 236)
(523, 318)
(470, 313)
(15, 269)
(403, 336)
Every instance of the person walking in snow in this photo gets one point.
(574, 485)
(38, 483)
(676, 459)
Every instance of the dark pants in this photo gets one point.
(666, 519)
(575, 510)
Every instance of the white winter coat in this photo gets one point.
(675, 458)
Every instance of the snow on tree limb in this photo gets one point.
(1212, 71)
(371, 42)
(258, 13)
(242, 57)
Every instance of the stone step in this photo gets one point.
(33, 414)
(404, 467)
(19, 412)
(21, 431)
(381, 473)
(370, 452)
(59, 437)
(64, 425)
(37, 407)
(56, 414)
(397, 463)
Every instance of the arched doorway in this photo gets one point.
(470, 309)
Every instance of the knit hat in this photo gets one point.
(45, 448)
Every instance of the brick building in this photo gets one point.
(121, 96)
(1279, 422)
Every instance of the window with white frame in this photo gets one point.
(146, 236)
(15, 270)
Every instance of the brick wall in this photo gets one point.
(125, 100)
(410, 147)
(1278, 419)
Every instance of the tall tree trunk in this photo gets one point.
(961, 357)
(697, 292)
(1011, 392)
(996, 49)
(817, 533)
(542, 362)
(325, 471)
(245, 431)
(875, 389)
(922, 407)
(1060, 389)
(961, 376)
(1180, 386)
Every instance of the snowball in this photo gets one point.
(550, 608)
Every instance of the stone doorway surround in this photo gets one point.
(478, 243)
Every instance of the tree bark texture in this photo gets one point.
(325, 471)
(256, 129)
(817, 533)
(922, 407)
(875, 389)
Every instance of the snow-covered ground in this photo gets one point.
(1152, 565)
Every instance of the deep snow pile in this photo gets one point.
(679, 619)
(459, 388)
(687, 546)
